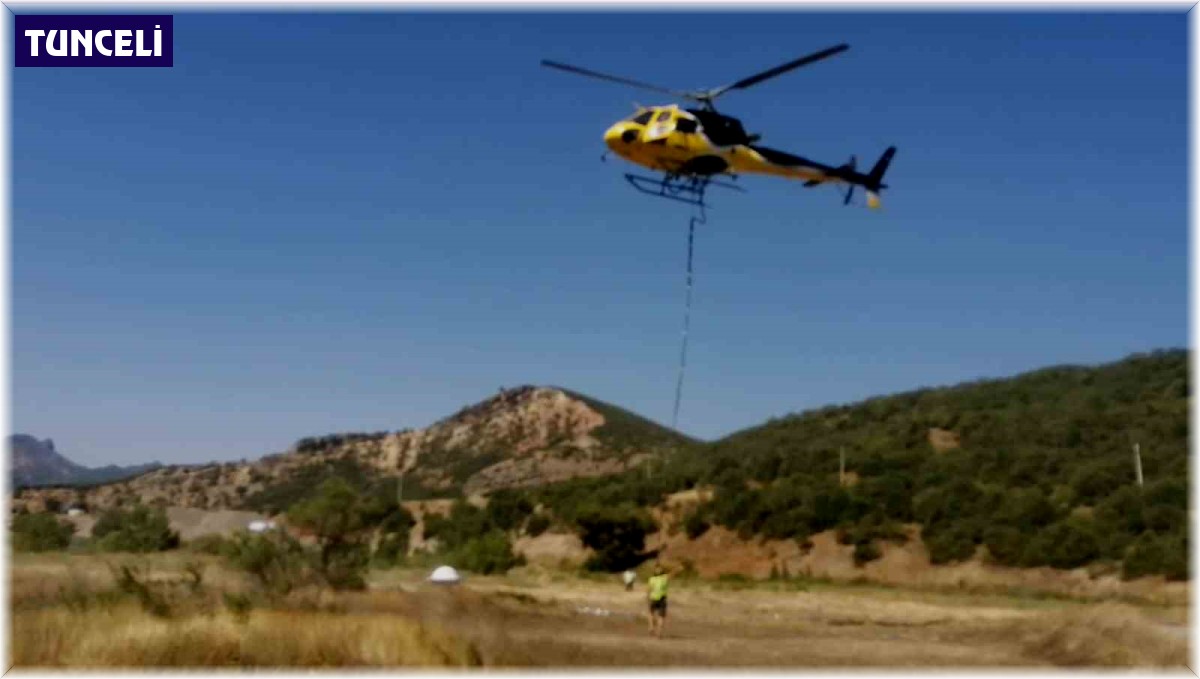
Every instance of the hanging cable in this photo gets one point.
(698, 218)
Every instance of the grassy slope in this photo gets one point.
(623, 428)
(1068, 415)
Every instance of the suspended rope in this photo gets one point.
(698, 218)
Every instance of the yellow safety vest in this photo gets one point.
(658, 587)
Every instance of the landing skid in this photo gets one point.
(688, 189)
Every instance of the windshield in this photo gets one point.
(641, 117)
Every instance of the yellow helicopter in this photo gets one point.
(691, 146)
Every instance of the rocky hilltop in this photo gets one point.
(38, 463)
(520, 437)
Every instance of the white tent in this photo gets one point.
(444, 575)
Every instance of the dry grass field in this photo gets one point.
(183, 610)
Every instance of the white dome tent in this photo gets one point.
(444, 575)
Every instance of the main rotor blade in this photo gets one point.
(778, 70)
(616, 79)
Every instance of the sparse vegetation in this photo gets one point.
(320, 444)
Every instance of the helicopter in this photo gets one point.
(692, 146)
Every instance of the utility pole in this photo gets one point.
(400, 479)
(1137, 463)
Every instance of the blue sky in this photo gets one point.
(319, 223)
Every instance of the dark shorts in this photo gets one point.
(659, 607)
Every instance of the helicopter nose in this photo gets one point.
(620, 135)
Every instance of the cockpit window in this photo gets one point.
(664, 116)
(685, 125)
(642, 118)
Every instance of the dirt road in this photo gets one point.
(576, 622)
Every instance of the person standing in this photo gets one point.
(630, 577)
(657, 591)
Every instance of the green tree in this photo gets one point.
(537, 524)
(1067, 544)
(507, 509)
(1025, 509)
(1158, 554)
(337, 517)
(1005, 544)
(137, 529)
(618, 536)
(40, 532)
(951, 541)
(486, 554)
(276, 561)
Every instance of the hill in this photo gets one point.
(38, 463)
(521, 437)
(1034, 470)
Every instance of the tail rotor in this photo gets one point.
(874, 179)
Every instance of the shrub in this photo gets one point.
(1123, 511)
(1170, 492)
(1005, 544)
(506, 509)
(345, 566)
(1026, 509)
(1092, 482)
(213, 543)
(139, 529)
(486, 554)
(391, 550)
(151, 601)
(695, 524)
(537, 524)
(618, 535)
(1165, 519)
(891, 494)
(1066, 544)
(303, 483)
(870, 528)
(866, 551)
(953, 542)
(464, 522)
(239, 606)
(1157, 554)
(40, 532)
(394, 530)
(333, 515)
(275, 561)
